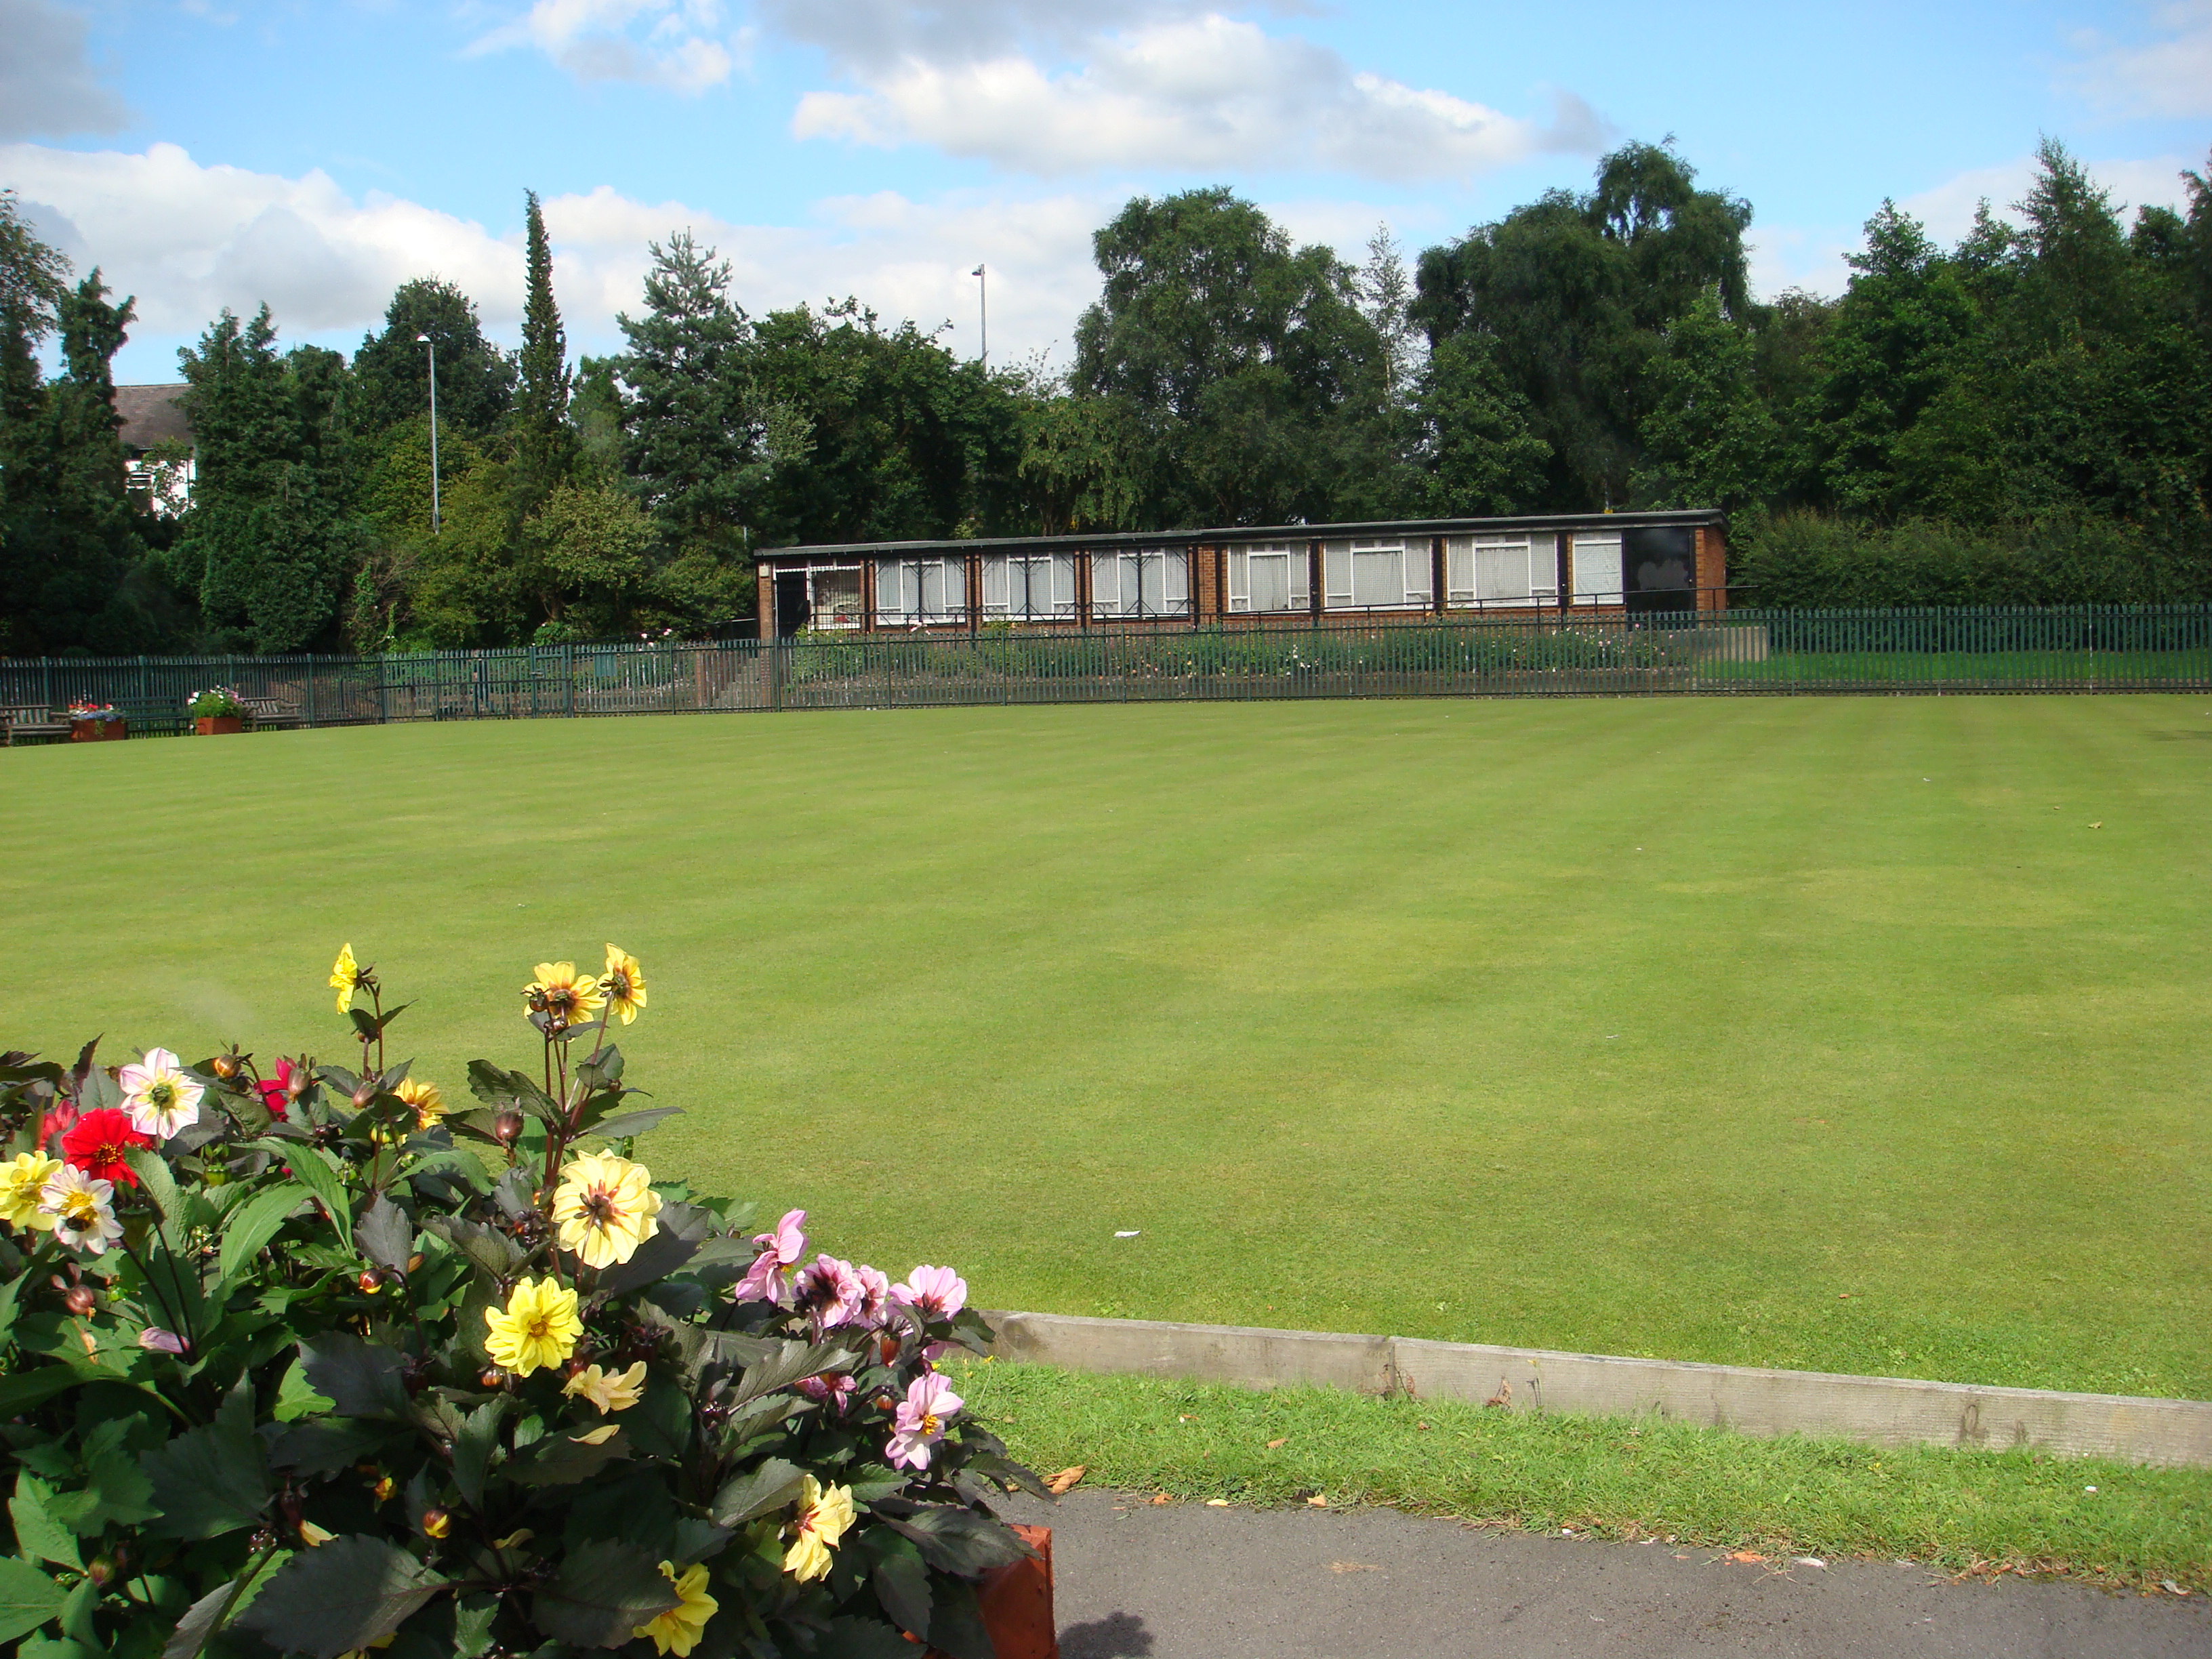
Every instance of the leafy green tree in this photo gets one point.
(268, 538)
(1709, 437)
(1074, 472)
(878, 433)
(1253, 381)
(1576, 294)
(1472, 450)
(74, 568)
(476, 379)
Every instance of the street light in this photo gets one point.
(983, 302)
(437, 523)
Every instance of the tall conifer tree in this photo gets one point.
(545, 445)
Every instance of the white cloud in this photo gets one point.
(46, 87)
(188, 240)
(1188, 93)
(884, 33)
(681, 45)
(2168, 75)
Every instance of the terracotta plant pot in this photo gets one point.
(1016, 1603)
(216, 725)
(97, 730)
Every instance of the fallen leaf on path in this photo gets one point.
(1752, 1556)
(1284, 1441)
(1067, 1478)
(1217, 1502)
(1504, 1396)
(1162, 1498)
(1318, 1501)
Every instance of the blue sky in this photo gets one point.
(213, 152)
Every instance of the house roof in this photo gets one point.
(1299, 532)
(152, 414)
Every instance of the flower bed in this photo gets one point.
(313, 1359)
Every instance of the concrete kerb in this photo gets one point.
(1881, 1410)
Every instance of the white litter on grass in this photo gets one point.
(2088, 1489)
(1133, 1232)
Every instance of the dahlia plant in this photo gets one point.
(311, 1359)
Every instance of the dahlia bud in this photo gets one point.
(506, 1129)
(102, 1571)
(363, 1095)
(436, 1523)
(491, 1376)
(371, 1281)
(81, 1300)
(224, 1066)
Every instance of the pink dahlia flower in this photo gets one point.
(769, 1280)
(933, 1292)
(919, 1423)
(834, 1390)
(831, 1292)
(875, 1295)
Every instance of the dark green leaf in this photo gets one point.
(755, 1492)
(902, 1582)
(160, 1187)
(473, 1447)
(660, 1424)
(27, 1598)
(486, 1246)
(561, 1458)
(1003, 1470)
(255, 1222)
(212, 1479)
(310, 1169)
(954, 1540)
(789, 1362)
(681, 1228)
(205, 1616)
(697, 1541)
(955, 1625)
(359, 1379)
(325, 1445)
(605, 1589)
(497, 1087)
(385, 1234)
(21, 1390)
(862, 1638)
(38, 1535)
(352, 1592)
(632, 1123)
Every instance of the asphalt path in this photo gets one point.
(1136, 1580)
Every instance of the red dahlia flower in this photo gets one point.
(97, 1141)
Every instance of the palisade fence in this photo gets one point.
(2087, 649)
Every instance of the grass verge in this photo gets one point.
(1964, 1511)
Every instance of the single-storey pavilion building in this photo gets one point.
(1564, 564)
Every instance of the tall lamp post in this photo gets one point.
(983, 304)
(436, 521)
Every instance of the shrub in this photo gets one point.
(216, 702)
(313, 1359)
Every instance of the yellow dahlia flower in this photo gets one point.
(21, 1179)
(604, 1209)
(824, 1516)
(623, 984)
(429, 1105)
(611, 1391)
(678, 1630)
(558, 991)
(538, 1327)
(345, 976)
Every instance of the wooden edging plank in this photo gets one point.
(1885, 1411)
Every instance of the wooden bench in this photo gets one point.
(269, 714)
(24, 723)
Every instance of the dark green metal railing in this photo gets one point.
(2088, 648)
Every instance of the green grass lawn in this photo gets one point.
(1813, 1033)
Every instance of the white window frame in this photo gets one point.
(815, 621)
(1297, 587)
(952, 575)
(1600, 543)
(1172, 566)
(1058, 571)
(1340, 563)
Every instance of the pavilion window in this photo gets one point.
(1597, 570)
(1267, 579)
(1139, 584)
(915, 592)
